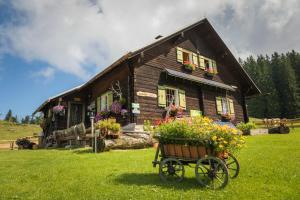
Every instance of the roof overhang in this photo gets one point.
(196, 79)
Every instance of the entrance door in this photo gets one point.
(75, 114)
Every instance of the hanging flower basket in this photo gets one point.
(59, 109)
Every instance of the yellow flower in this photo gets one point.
(221, 146)
(214, 138)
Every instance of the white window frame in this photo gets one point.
(176, 96)
(105, 95)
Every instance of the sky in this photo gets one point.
(50, 46)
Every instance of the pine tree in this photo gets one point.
(8, 116)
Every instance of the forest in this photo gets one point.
(278, 78)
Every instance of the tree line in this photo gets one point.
(278, 78)
(9, 117)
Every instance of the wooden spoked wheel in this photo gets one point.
(211, 172)
(171, 170)
(232, 165)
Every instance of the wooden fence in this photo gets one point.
(268, 123)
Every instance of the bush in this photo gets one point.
(200, 131)
(108, 125)
(245, 127)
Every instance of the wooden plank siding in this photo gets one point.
(150, 73)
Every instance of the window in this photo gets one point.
(207, 65)
(106, 100)
(224, 105)
(186, 57)
(168, 96)
(171, 97)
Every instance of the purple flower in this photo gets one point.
(124, 112)
(58, 109)
(116, 107)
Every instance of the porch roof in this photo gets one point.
(198, 79)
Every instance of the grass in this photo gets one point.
(270, 169)
(11, 131)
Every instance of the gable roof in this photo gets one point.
(253, 89)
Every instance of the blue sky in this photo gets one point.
(50, 46)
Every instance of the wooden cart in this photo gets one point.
(212, 169)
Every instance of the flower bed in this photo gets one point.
(199, 132)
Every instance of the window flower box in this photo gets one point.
(189, 66)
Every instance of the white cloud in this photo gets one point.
(46, 73)
(74, 35)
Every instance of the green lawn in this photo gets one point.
(270, 169)
(10, 131)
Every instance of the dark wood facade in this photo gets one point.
(145, 69)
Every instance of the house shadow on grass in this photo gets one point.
(152, 179)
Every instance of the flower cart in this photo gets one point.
(213, 164)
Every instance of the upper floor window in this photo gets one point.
(207, 64)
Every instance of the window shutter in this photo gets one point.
(179, 55)
(214, 66)
(98, 105)
(182, 101)
(219, 105)
(110, 99)
(103, 102)
(161, 96)
(231, 106)
(211, 70)
(201, 61)
(195, 59)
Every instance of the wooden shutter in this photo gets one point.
(98, 105)
(231, 106)
(182, 101)
(210, 62)
(195, 59)
(161, 96)
(103, 102)
(179, 55)
(110, 99)
(201, 61)
(219, 105)
(214, 66)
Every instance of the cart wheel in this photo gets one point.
(211, 172)
(171, 170)
(232, 165)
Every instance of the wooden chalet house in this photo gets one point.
(192, 69)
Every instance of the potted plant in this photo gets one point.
(59, 109)
(226, 117)
(189, 66)
(108, 128)
(198, 136)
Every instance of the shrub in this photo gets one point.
(109, 124)
(147, 126)
(245, 127)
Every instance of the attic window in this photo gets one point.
(207, 65)
(186, 56)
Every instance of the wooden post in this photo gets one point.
(92, 130)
